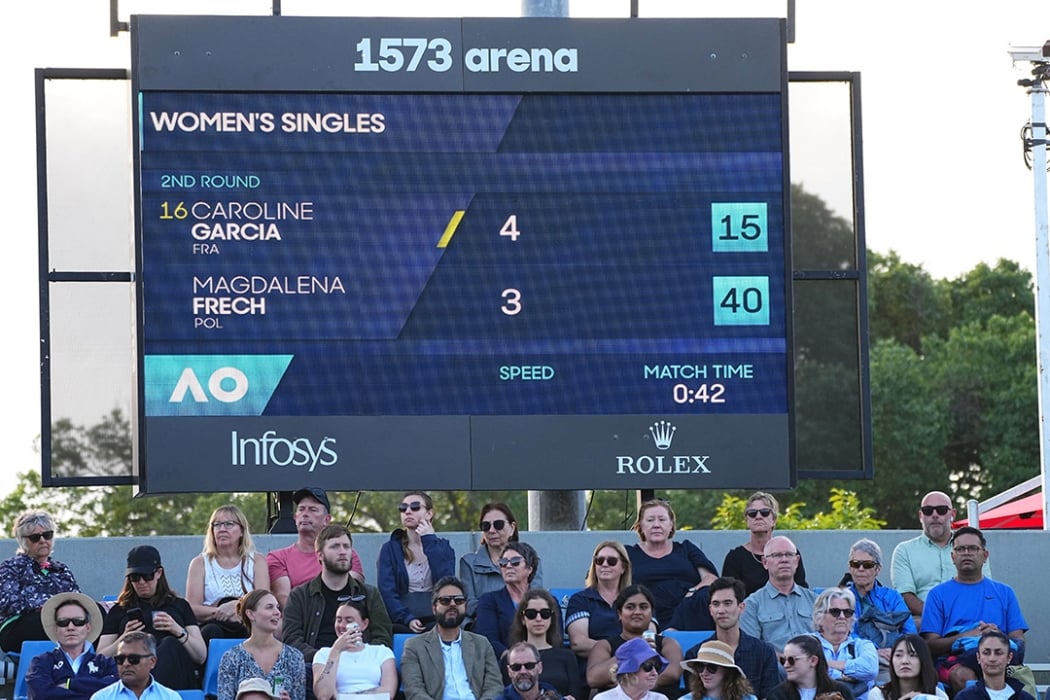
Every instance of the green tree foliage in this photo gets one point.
(846, 513)
(904, 302)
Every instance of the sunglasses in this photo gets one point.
(135, 578)
(854, 564)
(528, 665)
(498, 524)
(790, 660)
(132, 659)
(46, 534)
(939, 510)
(413, 506)
(755, 512)
(611, 561)
(649, 665)
(513, 561)
(702, 667)
(841, 612)
(67, 621)
(350, 598)
(448, 600)
(533, 613)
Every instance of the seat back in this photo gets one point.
(191, 694)
(30, 650)
(216, 648)
(562, 595)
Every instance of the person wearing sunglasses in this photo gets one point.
(525, 669)
(883, 616)
(536, 622)
(409, 563)
(637, 668)
(714, 674)
(919, 564)
(589, 615)
(480, 570)
(29, 578)
(262, 655)
(448, 662)
(807, 672)
(850, 659)
(72, 670)
(148, 604)
(634, 606)
(496, 609)
(350, 667)
(781, 609)
(228, 568)
(136, 659)
(744, 563)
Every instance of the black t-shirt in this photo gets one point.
(178, 608)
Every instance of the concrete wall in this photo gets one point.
(1016, 558)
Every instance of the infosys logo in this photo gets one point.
(272, 450)
(663, 433)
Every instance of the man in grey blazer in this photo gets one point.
(449, 663)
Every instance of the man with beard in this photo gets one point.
(781, 609)
(757, 659)
(449, 663)
(960, 610)
(136, 656)
(524, 668)
(922, 562)
(309, 617)
(297, 563)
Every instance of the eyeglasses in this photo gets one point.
(755, 512)
(968, 548)
(67, 621)
(649, 665)
(611, 561)
(448, 600)
(513, 561)
(414, 506)
(46, 534)
(350, 598)
(841, 612)
(532, 613)
(780, 555)
(487, 525)
(528, 665)
(135, 578)
(132, 659)
(939, 510)
(701, 667)
(786, 661)
(224, 524)
(855, 564)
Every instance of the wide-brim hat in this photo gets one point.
(713, 652)
(47, 614)
(633, 653)
(256, 685)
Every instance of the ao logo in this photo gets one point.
(226, 384)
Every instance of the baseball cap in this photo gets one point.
(143, 559)
(315, 493)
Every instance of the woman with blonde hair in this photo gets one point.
(228, 568)
(744, 563)
(590, 616)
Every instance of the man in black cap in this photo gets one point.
(298, 562)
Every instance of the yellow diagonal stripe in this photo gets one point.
(453, 223)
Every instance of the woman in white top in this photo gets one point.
(912, 673)
(228, 568)
(350, 667)
(638, 665)
(714, 674)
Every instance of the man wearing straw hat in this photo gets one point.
(72, 670)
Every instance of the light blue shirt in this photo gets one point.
(74, 664)
(153, 691)
(457, 685)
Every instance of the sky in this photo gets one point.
(944, 180)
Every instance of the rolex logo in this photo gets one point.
(663, 433)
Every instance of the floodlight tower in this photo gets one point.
(1035, 142)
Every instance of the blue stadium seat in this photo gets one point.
(399, 648)
(30, 650)
(562, 595)
(216, 648)
(191, 694)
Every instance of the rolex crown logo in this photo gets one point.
(662, 432)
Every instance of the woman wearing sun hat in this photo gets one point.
(714, 674)
(72, 621)
(637, 667)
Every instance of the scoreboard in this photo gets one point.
(462, 254)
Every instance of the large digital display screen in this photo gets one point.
(474, 288)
